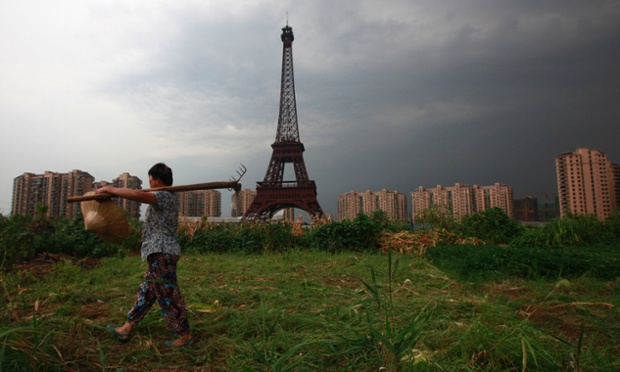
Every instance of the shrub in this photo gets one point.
(361, 234)
(435, 217)
(254, 237)
(15, 240)
(70, 238)
(492, 225)
(570, 231)
(216, 238)
(334, 237)
(613, 224)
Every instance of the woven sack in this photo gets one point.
(105, 218)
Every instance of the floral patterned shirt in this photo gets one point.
(159, 232)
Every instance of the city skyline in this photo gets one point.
(393, 94)
(53, 188)
(227, 211)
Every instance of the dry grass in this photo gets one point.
(407, 242)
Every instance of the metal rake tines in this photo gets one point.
(240, 172)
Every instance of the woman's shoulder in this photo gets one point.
(164, 197)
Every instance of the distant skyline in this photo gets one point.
(393, 94)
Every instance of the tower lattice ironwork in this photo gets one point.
(274, 193)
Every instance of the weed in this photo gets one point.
(393, 342)
(273, 349)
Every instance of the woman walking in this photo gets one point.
(161, 249)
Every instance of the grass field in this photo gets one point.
(307, 311)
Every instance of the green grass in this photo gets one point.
(308, 311)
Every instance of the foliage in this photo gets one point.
(72, 239)
(613, 224)
(524, 258)
(133, 242)
(393, 341)
(436, 216)
(252, 238)
(497, 263)
(280, 298)
(15, 239)
(361, 234)
(571, 231)
(272, 349)
(23, 237)
(492, 225)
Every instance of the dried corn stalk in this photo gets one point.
(407, 242)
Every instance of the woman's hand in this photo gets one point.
(103, 190)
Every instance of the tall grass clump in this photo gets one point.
(572, 231)
(392, 333)
(250, 238)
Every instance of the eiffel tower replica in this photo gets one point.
(274, 193)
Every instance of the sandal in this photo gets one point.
(122, 337)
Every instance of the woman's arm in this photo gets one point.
(136, 195)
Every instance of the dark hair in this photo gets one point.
(162, 172)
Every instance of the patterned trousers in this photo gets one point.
(160, 283)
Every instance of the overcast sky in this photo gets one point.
(391, 94)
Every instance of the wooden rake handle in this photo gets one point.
(235, 185)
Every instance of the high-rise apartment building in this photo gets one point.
(494, 196)
(393, 203)
(127, 181)
(349, 205)
(243, 201)
(462, 200)
(616, 174)
(51, 189)
(200, 203)
(586, 183)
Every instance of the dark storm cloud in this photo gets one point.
(496, 98)
(391, 94)
(471, 92)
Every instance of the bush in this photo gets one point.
(23, 237)
(72, 239)
(255, 237)
(210, 238)
(361, 234)
(571, 231)
(492, 225)
(15, 240)
(435, 216)
(613, 224)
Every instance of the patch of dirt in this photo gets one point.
(509, 292)
(95, 310)
(44, 263)
(567, 320)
